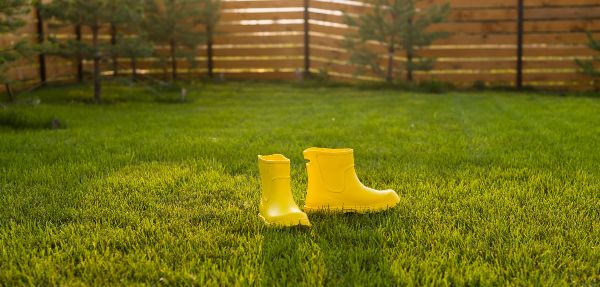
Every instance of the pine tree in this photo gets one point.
(176, 24)
(127, 36)
(587, 67)
(133, 47)
(11, 19)
(93, 14)
(125, 23)
(210, 12)
(396, 25)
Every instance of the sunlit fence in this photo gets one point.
(279, 39)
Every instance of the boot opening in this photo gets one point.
(327, 151)
(273, 158)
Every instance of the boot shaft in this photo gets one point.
(275, 177)
(330, 169)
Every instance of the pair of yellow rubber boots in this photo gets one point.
(332, 186)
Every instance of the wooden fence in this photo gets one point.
(278, 39)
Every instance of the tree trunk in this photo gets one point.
(113, 42)
(173, 60)
(390, 68)
(306, 30)
(409, 51)
(409, 65)
(133, 69)
(9, 92)
(97, 70)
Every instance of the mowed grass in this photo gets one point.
(496, 188)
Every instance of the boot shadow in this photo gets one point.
(354, 248)
(282, 255)
(339, 250)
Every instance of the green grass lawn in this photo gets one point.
(496, 188)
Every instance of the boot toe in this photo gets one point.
(385, 199)
(392, 198)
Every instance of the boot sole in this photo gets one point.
(354, 209)
(285, 223)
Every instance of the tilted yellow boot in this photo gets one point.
(277, 206)
(334, 186)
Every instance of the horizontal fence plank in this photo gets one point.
(241, 52)
(257, 40)
(533, 13)
(259, 64)
(529, 39)
(543, 77)
(545, 13)
(267, 28)
(262, 76)
(236, 16)
(264, 62)
(225, 5)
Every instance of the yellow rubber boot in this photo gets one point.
(334, 186)
(277, 206)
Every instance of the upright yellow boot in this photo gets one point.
(277, 206)
(334, 186)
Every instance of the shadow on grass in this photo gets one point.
(281, 255)
(20, 120)
(339, 249)
(113, 92)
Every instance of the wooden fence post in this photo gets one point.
(41, 38)
(209, 51)
(306, 40)
(519, 81)
(79, 57)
